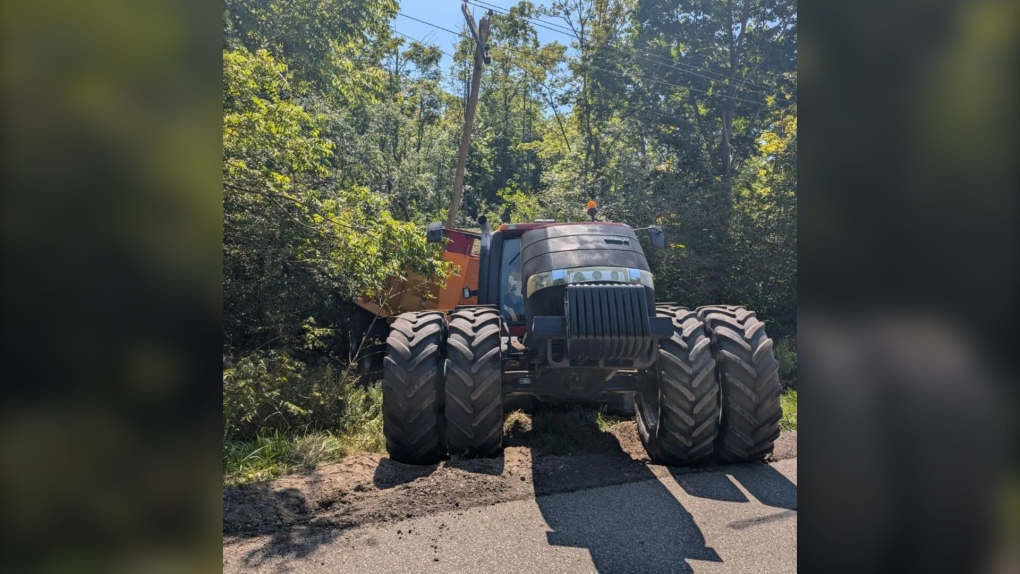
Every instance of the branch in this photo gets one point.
(272, 197)
(743, 22)
(548, 95)
(761, 61)
(738, 151)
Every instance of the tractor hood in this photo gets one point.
(614, 247)
(580, 255)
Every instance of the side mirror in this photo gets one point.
(469, 293)
(656, 236)
(434, 233)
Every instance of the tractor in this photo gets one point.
(565, 312)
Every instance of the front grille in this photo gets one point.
(607, 322)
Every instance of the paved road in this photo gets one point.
(742, 519)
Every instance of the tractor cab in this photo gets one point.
(574, 294)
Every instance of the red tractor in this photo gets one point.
(566, 312)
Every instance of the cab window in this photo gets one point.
(511, 287)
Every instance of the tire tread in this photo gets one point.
(413, 419)
(474, 392)
(748, 375)
(688, 394)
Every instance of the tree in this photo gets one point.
(333, 45)
(294, 243)
(723, 71)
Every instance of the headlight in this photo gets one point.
(540, 281)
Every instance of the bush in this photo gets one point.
(280, 416)
(270, 391)
(786, 354)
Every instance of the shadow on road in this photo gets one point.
(761, 480)
(711, 485)
(644, 530)
(766, 484)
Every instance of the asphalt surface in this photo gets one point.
(742, 518)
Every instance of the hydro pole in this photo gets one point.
(481, 36)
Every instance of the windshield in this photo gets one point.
(511, 289)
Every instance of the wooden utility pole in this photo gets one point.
(481, 36)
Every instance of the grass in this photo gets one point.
(270, 455)
(788, 400)
(554, 431)
(516, 423)
(605, 421)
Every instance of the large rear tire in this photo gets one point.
(749, 378)
(678, 418)
(474, 383)
(413, 421)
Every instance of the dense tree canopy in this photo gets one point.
(340, 139)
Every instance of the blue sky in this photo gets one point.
(447, 13)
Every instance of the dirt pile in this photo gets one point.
(366, 488)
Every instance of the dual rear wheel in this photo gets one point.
(442, 386)
(714, 393)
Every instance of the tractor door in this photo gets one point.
(511, 285)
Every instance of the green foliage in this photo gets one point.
(764, 227)
(788, 401)
(270, 391)
(295, 242)
(521, 206)
(281, 416)
(261, 459)
(604, 421)
(330, 42)
(567, 430)
(787, 357)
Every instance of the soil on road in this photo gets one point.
(306, 521)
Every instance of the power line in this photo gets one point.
(538, 22)
(630, 77)
(633, 77)
(423, 42)
(653, 58)
(641, 54)
(554, 106)
(643, 110)
(433, 25)
(660, 60)
(678, 121)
